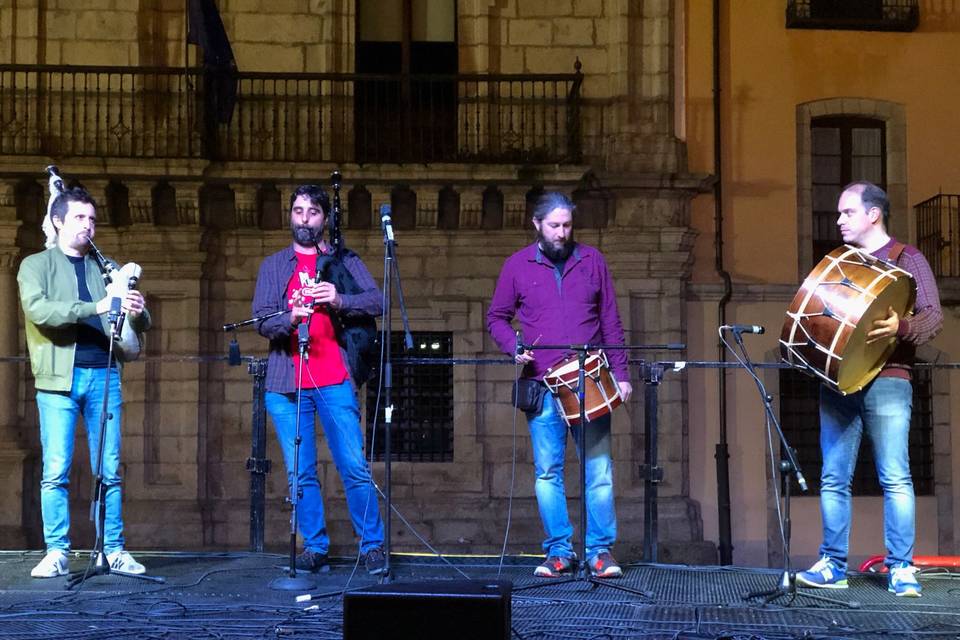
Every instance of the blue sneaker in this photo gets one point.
(824, 574)
(902, 582)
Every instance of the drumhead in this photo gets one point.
(862, 361)
(828, 320)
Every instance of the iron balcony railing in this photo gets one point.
(854, 15)
(139, 112)
(938, 233)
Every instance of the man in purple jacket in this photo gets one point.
(561, 292)
(881, 410)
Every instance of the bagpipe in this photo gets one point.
(118, 280)
(356, 334)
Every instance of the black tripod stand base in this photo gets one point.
(594, 582)
(788, 587)
(101, 568)
(612, 584)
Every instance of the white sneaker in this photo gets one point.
(54, 564)
(123, 561)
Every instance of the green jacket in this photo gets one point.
(51, 310)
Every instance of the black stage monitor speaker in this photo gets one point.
(440, 610)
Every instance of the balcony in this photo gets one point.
(938, 233)
(854, 15)
(938, 238)
(163, 113)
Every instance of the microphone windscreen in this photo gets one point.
(233, 356)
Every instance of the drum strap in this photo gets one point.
(895, 251)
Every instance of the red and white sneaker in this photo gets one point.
(603, 565)
(556, 566)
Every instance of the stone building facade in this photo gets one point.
(200, 227)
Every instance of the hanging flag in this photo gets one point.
(205, 29)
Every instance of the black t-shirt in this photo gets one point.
(92, 343)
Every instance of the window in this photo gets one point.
(422, 394)
(859, 15)
(843, 149)
(799, 416)
(397, 39)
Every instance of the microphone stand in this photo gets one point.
(790, 466)
(98, 506)
(582, 574)
(293, 582)
(390, 271)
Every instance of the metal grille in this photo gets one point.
(800, 419)
(938, 233)
(139, 112)
(422, 428)
(99, 111)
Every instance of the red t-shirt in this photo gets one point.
(324, 364)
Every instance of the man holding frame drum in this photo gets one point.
(880, 409)
(561, 292)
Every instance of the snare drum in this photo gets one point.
(601, 391)
(826, 327)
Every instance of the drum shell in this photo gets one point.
(601, 391)
(827, 321)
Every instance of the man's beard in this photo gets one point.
(306, 236)
(554, 253)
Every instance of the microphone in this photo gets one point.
(233, 357)
(385, 222)
(519, 345)
(303, 337)
(114, 314)
(743, 328)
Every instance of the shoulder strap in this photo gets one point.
(895, 251)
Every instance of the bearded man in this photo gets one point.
(330, 376)
(561, 292)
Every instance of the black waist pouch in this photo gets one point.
(528, 395)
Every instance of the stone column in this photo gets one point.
(98, 189)
(140, 197)
(162, 424)
(471, 207)
(427, 201)
(514, 207)
(12, 451)
(640, 133)
(245, 201)
(188, 202)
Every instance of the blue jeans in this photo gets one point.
(340, 416)
(882, 411)
(548, 437)
(58, 423)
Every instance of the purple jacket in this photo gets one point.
(271, 295)
(578, 308)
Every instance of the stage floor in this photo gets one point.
(211, 595)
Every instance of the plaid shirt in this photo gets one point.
(925, 322)
(270, 295)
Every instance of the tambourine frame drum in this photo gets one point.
(826, 327)
(601, 391)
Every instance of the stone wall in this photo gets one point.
(200, 230)
(188, 423)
